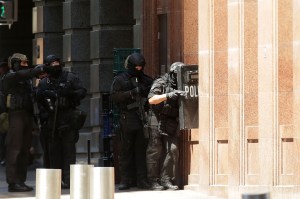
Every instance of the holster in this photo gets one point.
(168, 126)
(77, 119)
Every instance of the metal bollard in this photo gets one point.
(79, 181)
(102, 183)
(48, 184)
(256, 196)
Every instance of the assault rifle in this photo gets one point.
(139, 103)
(54, 117)
(36, 111)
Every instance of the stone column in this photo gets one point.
(235, 93)
(202, 175)
(111, 27)
(47, 30)
(267, 90)
(295, 45)
(76, 56)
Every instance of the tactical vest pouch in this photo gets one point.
(14, 102)
(168, 126)
(129, 122)
(78, 118)
(170, 111)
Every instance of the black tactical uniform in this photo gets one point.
(162, 151)
(60, 93)
(128, 90)
(17, 86)
(4, 69)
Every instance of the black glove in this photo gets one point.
(42, 67)
(174, 95)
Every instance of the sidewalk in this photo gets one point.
(129, 194)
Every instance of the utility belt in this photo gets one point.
(170, 112)
(168, 125)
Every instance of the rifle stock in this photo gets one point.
(54, 118)
(140, 102)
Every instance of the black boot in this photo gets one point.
(169, 185)
(124, 186)
(132, 183)
(143, 184)
(19, 187)
(65, 185)
(156, 186)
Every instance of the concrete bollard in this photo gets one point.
(48, 184)
(102, 183)
(256, 196)
(79, 181)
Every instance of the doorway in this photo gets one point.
(163, 43)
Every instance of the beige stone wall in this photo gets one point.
(249, 95)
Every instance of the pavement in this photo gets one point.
(128, 194)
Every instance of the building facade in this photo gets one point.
(249, 74)
(248, 136)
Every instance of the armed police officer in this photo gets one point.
(17, 86)
(163, 143)
(129, 92)
(60, 92)
(4, 69)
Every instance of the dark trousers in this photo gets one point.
(162, 158)
(2, 146)
(133, 152)
(154, 156)
(62, 152)
(170, 157)
(44, 140)
(18, 142)
(61, 143)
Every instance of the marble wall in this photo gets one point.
(249, 93)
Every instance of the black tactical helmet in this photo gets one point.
(135, 59)
(51, 58)
(174, 67)
(15, 59)
(173, 73)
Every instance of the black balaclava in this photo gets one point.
(135, 59)
(55, 70)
